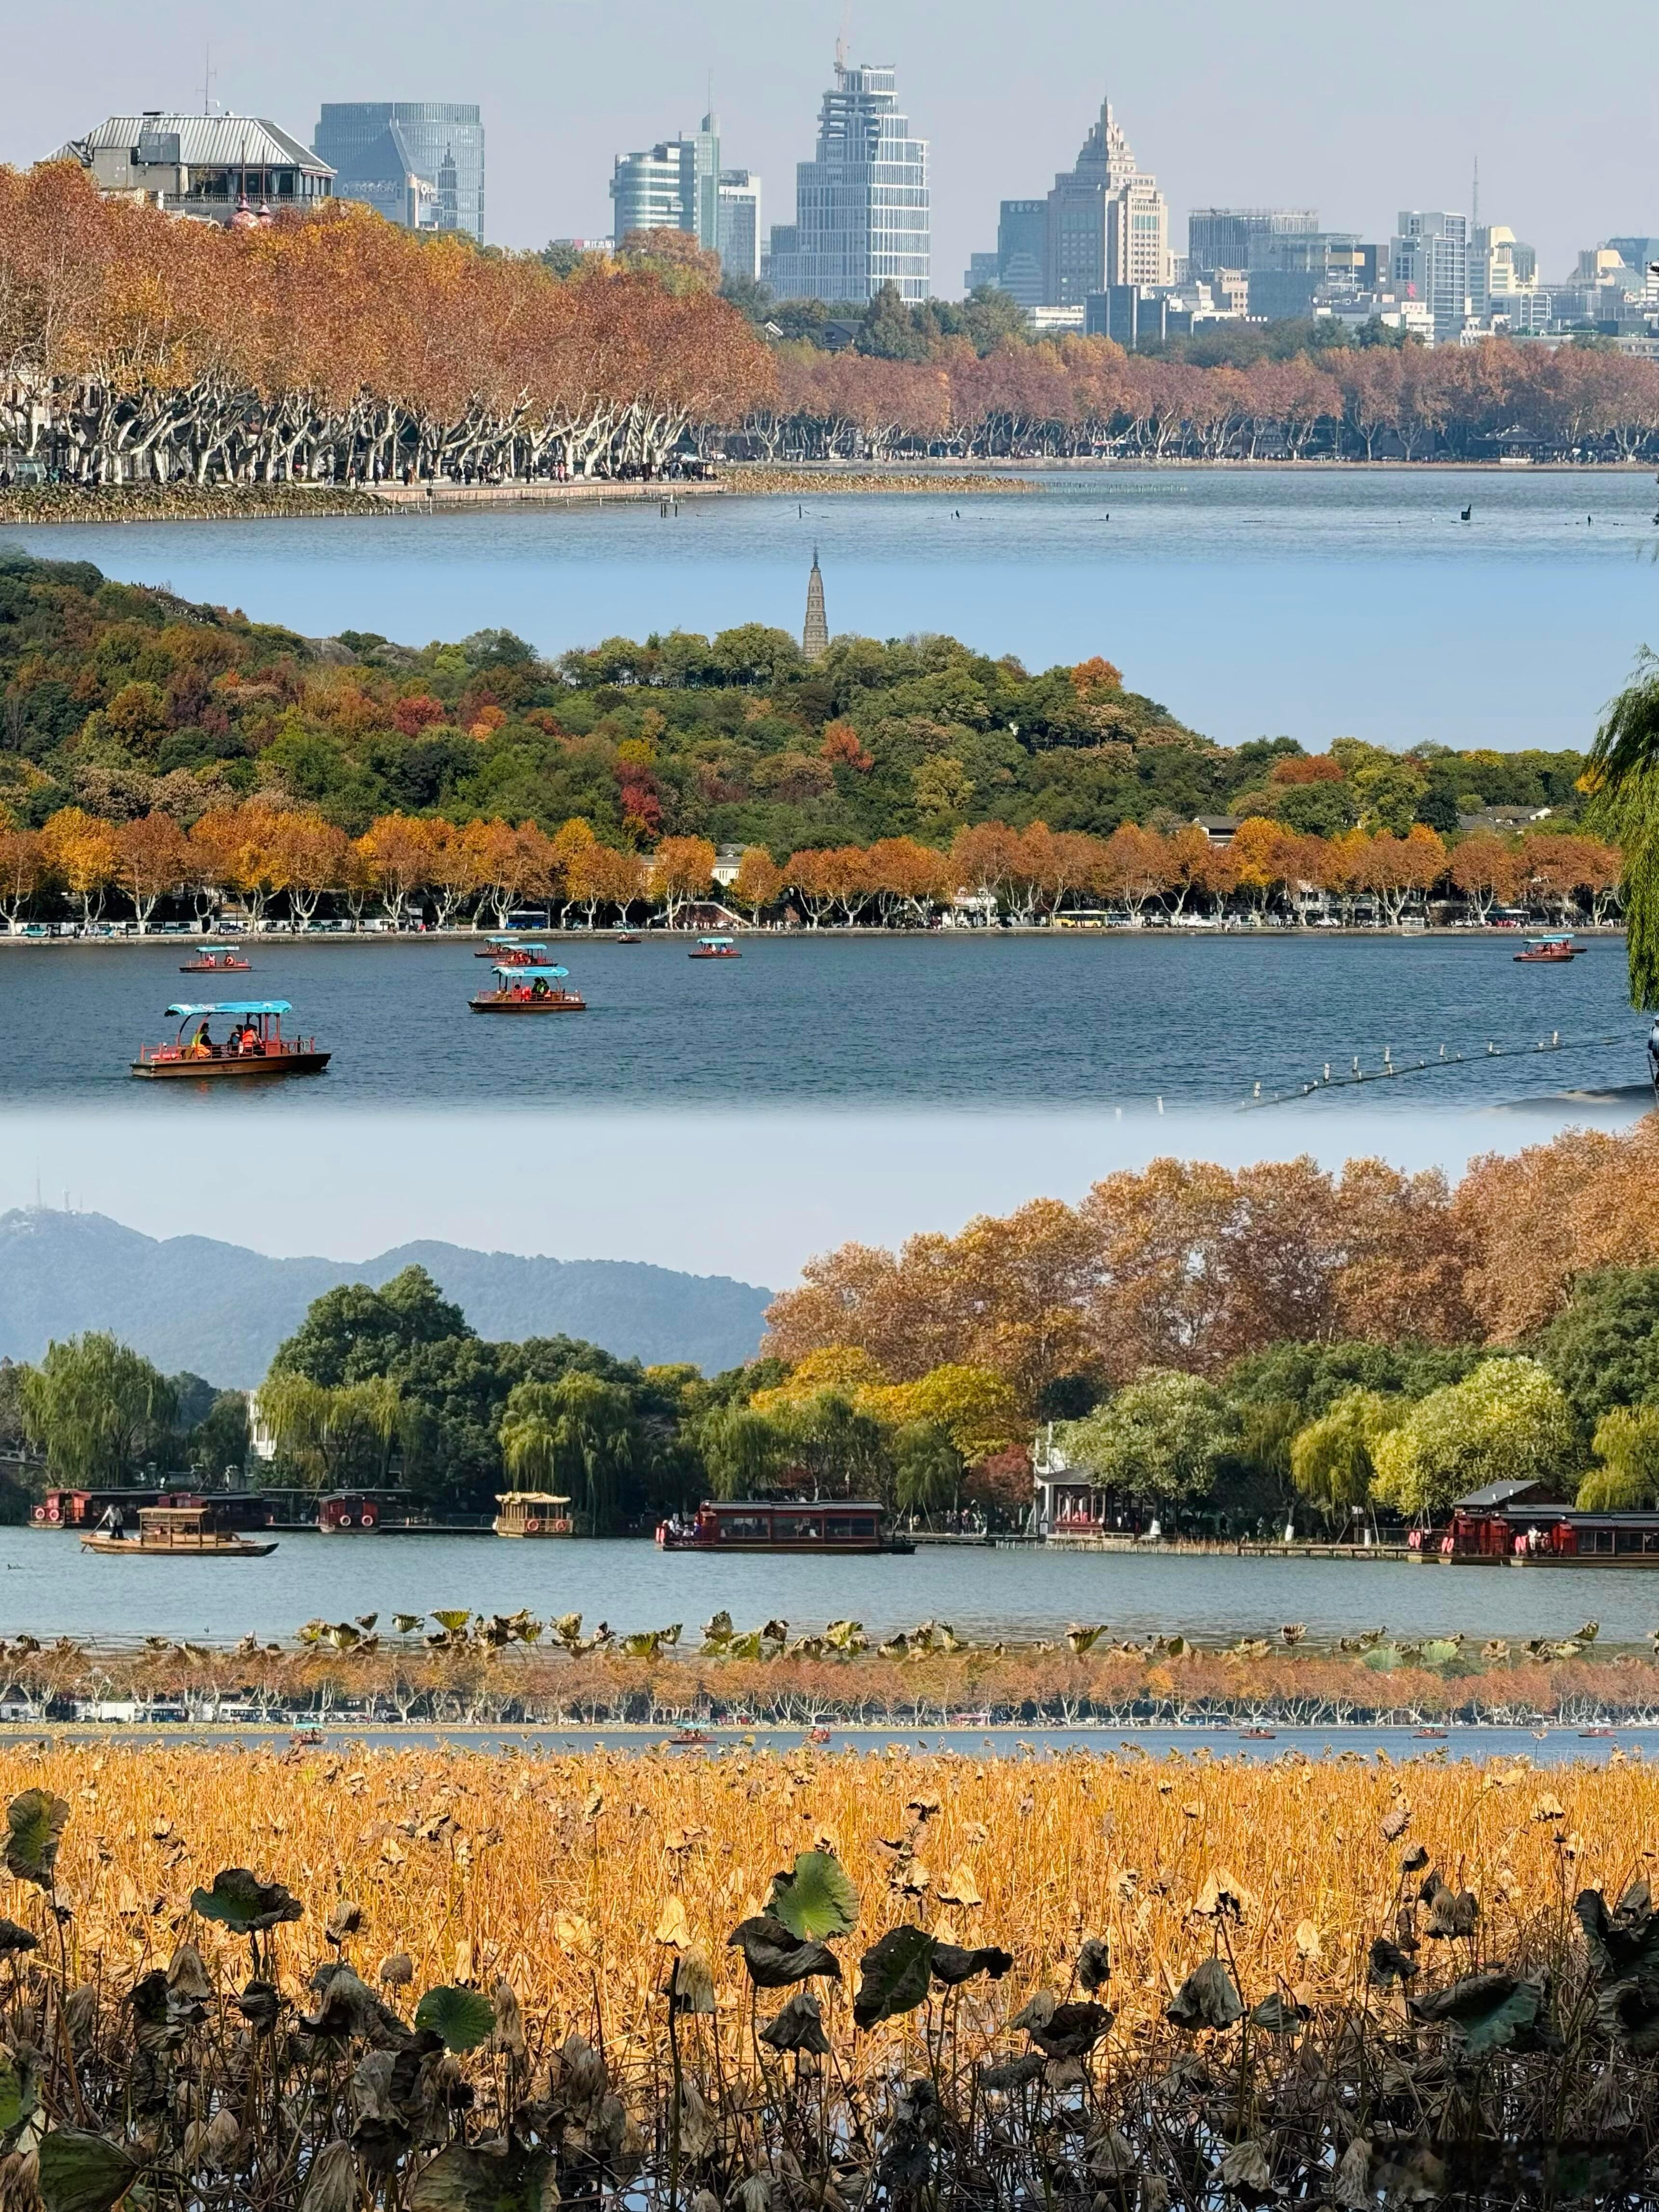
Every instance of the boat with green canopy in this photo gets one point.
(538, 990)
(251, 1046)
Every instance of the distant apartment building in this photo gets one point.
(1429, 261)
(673, 185)
(739, 246)
(1505, 293)
(237, 170)
(420, 162)
(862, 216)
(1242, 238)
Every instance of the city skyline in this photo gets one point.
(1276, 116)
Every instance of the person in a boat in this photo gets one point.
(248, 1039)
(538, 988)
(114, 1520)
(200, 1046)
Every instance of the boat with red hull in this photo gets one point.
(833, 1525)
(216, 960)
(536, 990)
(255, 1048)
(1548, 952)
(714, 948)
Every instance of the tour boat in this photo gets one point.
(1258, 1735)
(752, 1524)
(532, 1513)
(176, 1532)
(714, 948)
(216, 960)
(626, 936)
(509, 952)
(534, 990)
(688, 1739)
(1548, 949)
(254, 1046)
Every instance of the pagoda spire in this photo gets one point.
(815, 634)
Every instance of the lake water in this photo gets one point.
(49, 1587)
(1315, 602)
(971, 1020)
(1560, 1746)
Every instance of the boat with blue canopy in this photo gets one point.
(509, 952)
(250, 1044)
(216, 960)
(714, 948)
(538, 989)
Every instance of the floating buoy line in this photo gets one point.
(1391, 1069)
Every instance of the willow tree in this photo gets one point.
(579, 1432)
(1623, 779)
(96, 1408)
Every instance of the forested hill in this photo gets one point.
(220, 1310)
(125, 702)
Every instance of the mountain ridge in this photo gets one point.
(220, 1309)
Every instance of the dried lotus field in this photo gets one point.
(461, 1983)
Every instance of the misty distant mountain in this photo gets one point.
(220, 1310)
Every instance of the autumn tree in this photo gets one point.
(758, 883)
(312, 857)
(153, 858)
(402, 851)
(82, 852)
(23, 868)
(682, 874)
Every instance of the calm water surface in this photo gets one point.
(49, 1586)
(1550, 1748)
(1314, 602)
(975, 1018)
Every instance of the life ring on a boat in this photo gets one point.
(370, 1516)
(39, 1514)
(532, 1528)
(54, 1512)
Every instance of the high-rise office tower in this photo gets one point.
(862, 206)
(673, 185)
(740, 245)
(1022, 251)
(1108, 222)
(420, 161)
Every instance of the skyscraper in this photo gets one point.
(1108, 222)
(739, 223)
(420, 161)
(1429, 259)
(673, 185)
(815, 632)
(862, 206)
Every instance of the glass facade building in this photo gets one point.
(674, 185)
(861, 203)
(443, 139)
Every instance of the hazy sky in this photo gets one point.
(769, 1188)
(1283, 102)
